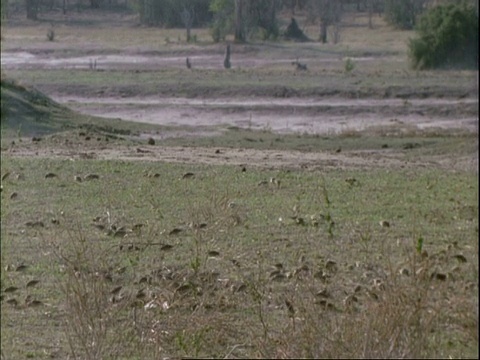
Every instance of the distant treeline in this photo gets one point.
(242, 18)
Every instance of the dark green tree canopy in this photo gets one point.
(447, 37)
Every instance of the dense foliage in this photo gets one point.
(447, 37)
(403, 13)
(168, 13)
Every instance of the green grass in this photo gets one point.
(274, 261)
(27, 112)
(245, 221)
(253, 82)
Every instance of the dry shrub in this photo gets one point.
(97, 326)
(402, 317)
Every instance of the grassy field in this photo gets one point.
(231, 262)
(358, 245)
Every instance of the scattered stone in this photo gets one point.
(331, 265)
(290, 308)
(12, 301)
(32, 283)
(439, 276)
(175, 231)
(99, 226)
(91, 177)
(138, 226)
(358, 288)
(384, 223)
(326, 304)
(166, 247)
(278, 277)
(188, 175)
(34, 224)
(21, 267)
(240, 288)
(116, 290)
(183, 288)
(404, 271)
(77, 178)
(460, 258)
(14, 195)
(213, 253)
(141, 294)
(34, 303)
(11, 289)
(378, 284)
(50, 175)
(323, 294)
(235, 262)
(120, 232)
(351, 181)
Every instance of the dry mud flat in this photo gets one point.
(312, 115)
(209, 115)
(290, 115)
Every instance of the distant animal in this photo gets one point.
(188, 63)
(299, 65)
(226, 61)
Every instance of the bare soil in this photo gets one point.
(203, 114)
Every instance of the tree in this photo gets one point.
(244, 18)
(171, 13)
(447, 37)
(4, 9)
(222, 24)
(187, 18)
(32, 9)
(239, 27)
(403, 13)
(328, 12)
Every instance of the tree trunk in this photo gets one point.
(370, 13)
(187, 18)
(32, 9)
(239, 30)
(4, 8)
(323, 32)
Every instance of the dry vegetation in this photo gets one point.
(245, 245)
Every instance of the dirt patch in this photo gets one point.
(286, 115)
(270, 159)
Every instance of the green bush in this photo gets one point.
(447, 37)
